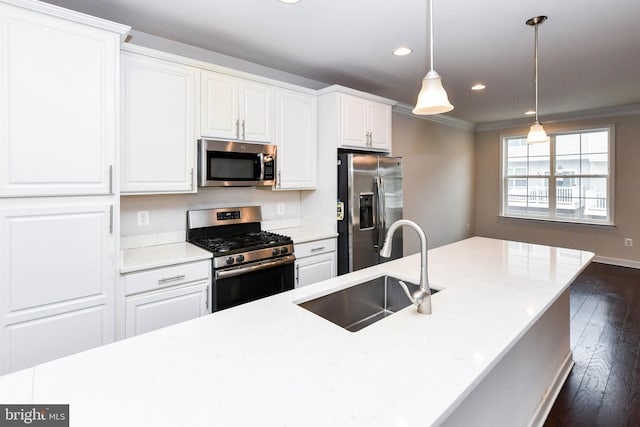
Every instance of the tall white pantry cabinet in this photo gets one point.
(59, 89)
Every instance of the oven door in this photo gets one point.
(237, 285)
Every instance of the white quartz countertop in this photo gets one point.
(307, 234)
(273, 363)
(160, 256)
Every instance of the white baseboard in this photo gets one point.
(552, 394)
(617, 261)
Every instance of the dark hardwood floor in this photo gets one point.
(603, 389)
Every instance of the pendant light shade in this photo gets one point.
(536, 132)
(432, 98)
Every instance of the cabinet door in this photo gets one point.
(154, 310)
(353, 114)
(58, 86)
(158, 126)
(219, 112)
(315, 269)
(57, 278)
(296, 140)
(380, 126)
(256, 112)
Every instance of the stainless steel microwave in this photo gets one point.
(235, 163)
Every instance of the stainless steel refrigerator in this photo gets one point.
(370, 199)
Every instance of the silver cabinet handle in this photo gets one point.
(297, 274)
(111, 219)
(319, 248)
(279, 181)
(207, 300)
(171, 279)
(237, 128)
(243, 131)
(110, 179)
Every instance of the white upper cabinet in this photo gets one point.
(235, 108)
(158, 125)
(364, 124)
(296, 138)
(58, 114)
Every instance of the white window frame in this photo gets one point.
(551, 211)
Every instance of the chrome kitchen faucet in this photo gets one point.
(422, 297)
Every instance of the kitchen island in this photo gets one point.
(494, 352)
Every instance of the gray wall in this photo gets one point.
(604, 241)
(438, 179)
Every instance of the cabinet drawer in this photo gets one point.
(167, 276)
(314, 248)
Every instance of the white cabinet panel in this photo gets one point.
(315, 261)
(154, 310)
(157, 278)
(256, 112)
(57, 276)
(158, 125)
(48, 338)
(365, 124)
(58, 84)
(296, 138)
(315, 269)
(380, 126)
(354, 121)
(219, 106)
(235, 108)
(53, 252)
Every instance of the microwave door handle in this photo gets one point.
(261, 160)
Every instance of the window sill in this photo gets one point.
(559, 221)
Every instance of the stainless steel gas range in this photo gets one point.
(248, 263)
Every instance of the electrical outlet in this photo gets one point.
(143, 218)
(628, 242)
(280, 208)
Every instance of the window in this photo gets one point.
(568, 179)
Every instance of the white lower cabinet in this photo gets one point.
(315, 261)
(164, 296)
(57, 278)
(154, 310)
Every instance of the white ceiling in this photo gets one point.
(589, 49)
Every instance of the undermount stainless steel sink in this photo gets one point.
(361, 305)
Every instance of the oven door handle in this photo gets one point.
(249, 268)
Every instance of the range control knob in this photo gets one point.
(240, 258)
(275, 252)
(229, 260)
(284, 250)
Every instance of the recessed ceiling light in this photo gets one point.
(289, 1)
(530, 113)
(478, 86)
(402, 51)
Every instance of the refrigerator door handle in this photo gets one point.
(382, 224)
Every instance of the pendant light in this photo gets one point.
(536, 132)
(432, 98)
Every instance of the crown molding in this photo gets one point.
(596, 113)
(406, 109)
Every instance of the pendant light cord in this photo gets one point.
(431, 29)
(536, 67)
